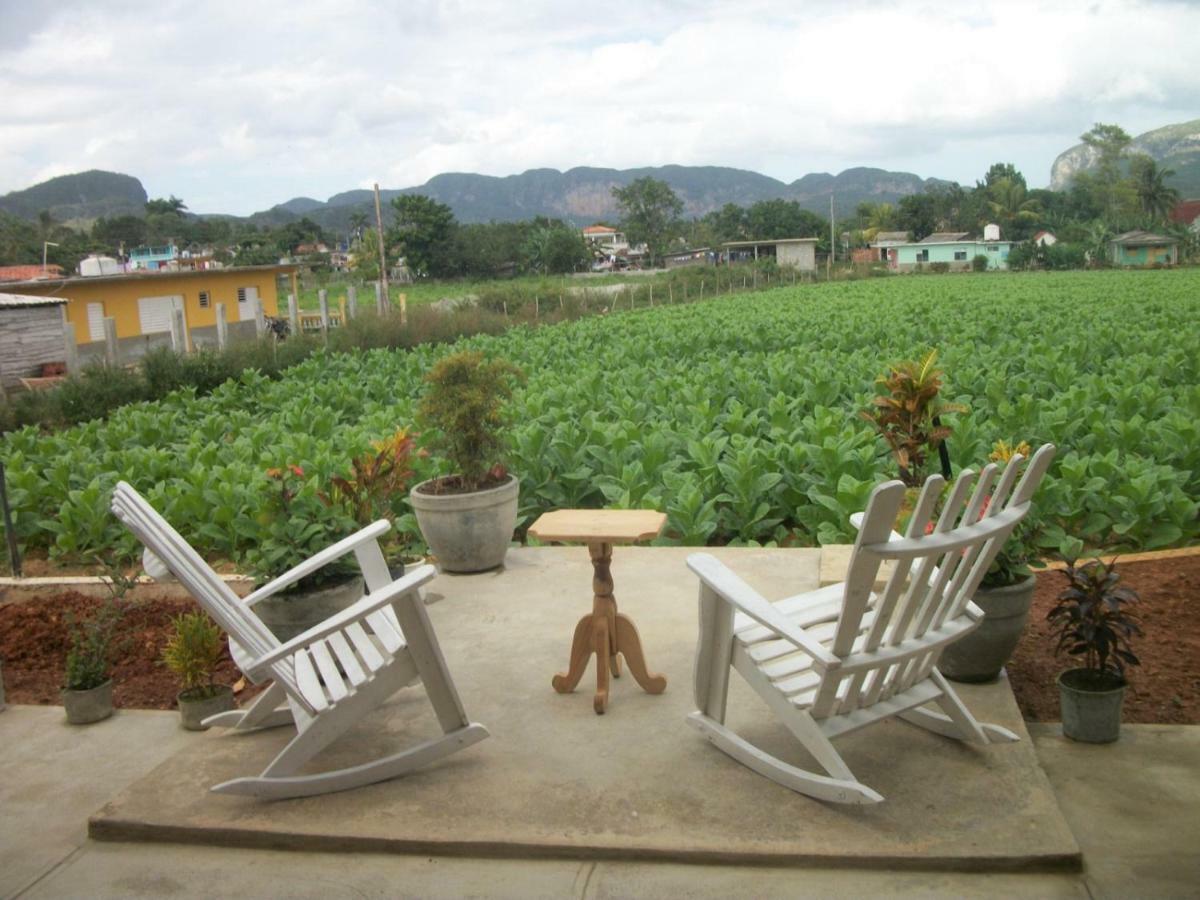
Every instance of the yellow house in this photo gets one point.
(141, 303)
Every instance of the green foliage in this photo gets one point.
(648, 404)
(905, 414)
(979, 263)
(649, 210)
(423, 233)
(1090, 621)
(464, 402)
(91, 645)
(193, 653)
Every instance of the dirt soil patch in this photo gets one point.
(34, 641)
(1164, 689)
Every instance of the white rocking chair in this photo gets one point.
(331, 675)
(839, 658)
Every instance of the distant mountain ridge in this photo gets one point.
(584, 194)
(1175, 147)
(83, 196)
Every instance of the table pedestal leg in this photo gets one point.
(606, 633)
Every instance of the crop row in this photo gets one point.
(738, 416)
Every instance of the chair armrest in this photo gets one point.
(370, 603)
(729, 586)
(325, 557)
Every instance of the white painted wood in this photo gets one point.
(843, 657)
(246, 299)
(330, 676)
(351, 302)
(260, 318)
(70, 348)
(293, 314)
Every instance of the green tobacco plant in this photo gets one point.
(904, 414)
(1092, 624)
(193, 653)
(1020, 552)
(465, 404)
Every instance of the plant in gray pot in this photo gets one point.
(1005, 595)
(193, 654)
(467, 518)
(1092, 624)
(87, 694)
(296, 522)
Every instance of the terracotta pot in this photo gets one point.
(467, 532)
(92, 705)
(1091, 707)
(194, 710)
(294, 612)
(981, 654)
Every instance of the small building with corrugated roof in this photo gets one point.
(31, 336)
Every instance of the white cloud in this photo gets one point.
(237, 106)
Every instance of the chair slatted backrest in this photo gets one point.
(938, 566)
(213, 594)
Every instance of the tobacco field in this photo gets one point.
(737, 416)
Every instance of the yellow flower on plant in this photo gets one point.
(1002, 451)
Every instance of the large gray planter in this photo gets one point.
(92, 705)
(193, 711)
(1090, 715)
(294, 612)
(984, 652)
(2, 704)
(467, 532)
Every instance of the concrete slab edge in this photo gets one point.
(114, 830)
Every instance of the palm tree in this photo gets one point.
(1008, 203)
(358, 221)
(1154, 197)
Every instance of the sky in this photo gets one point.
(237, 106)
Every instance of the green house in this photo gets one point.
(956, 249)
(1142, 248)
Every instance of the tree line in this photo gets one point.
(1120, 192)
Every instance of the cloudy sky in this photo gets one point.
(236, 106)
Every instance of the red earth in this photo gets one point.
(1164, 689)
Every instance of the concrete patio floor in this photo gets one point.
(604, 794)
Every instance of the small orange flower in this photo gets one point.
(297, 471)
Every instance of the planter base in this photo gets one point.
(192, 713)
(86, 707)
(981, 655)
(1089, 715)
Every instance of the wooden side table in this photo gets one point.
(604, 631)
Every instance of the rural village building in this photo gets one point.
(605, 239)
(798, 253)
(142, 303)
(29, 273)
(698, 256)
(954, 248)
(885, 245)
(1187, 214)
(1143, 248)
(31, 336)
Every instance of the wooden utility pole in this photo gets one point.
(832, 241)
(383, 285)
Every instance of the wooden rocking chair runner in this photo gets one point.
(840, 658)
(331, 675)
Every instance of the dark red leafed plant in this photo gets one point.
(1092, 624)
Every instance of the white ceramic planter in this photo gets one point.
(467, 532)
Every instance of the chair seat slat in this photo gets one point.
(331, 678)
(310, 684)
(346, 659)
(367, 651)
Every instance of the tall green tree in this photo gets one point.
(650, 212)
(1011, 208)
(423, 231)
(1111, 192)
(170, 206)
(1003, 170)
(1155, 198)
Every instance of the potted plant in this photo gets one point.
(907, 414)
(296, 522)
(468, 517)
(1005, 595)
(1091, 624)
(192, 654)
(376, 487)
(87, 693)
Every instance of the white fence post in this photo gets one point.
(379, 305)
(222, 327)
(323, 300)
(294, 314)
(260, 319)
(178, 338)
(351, 302)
